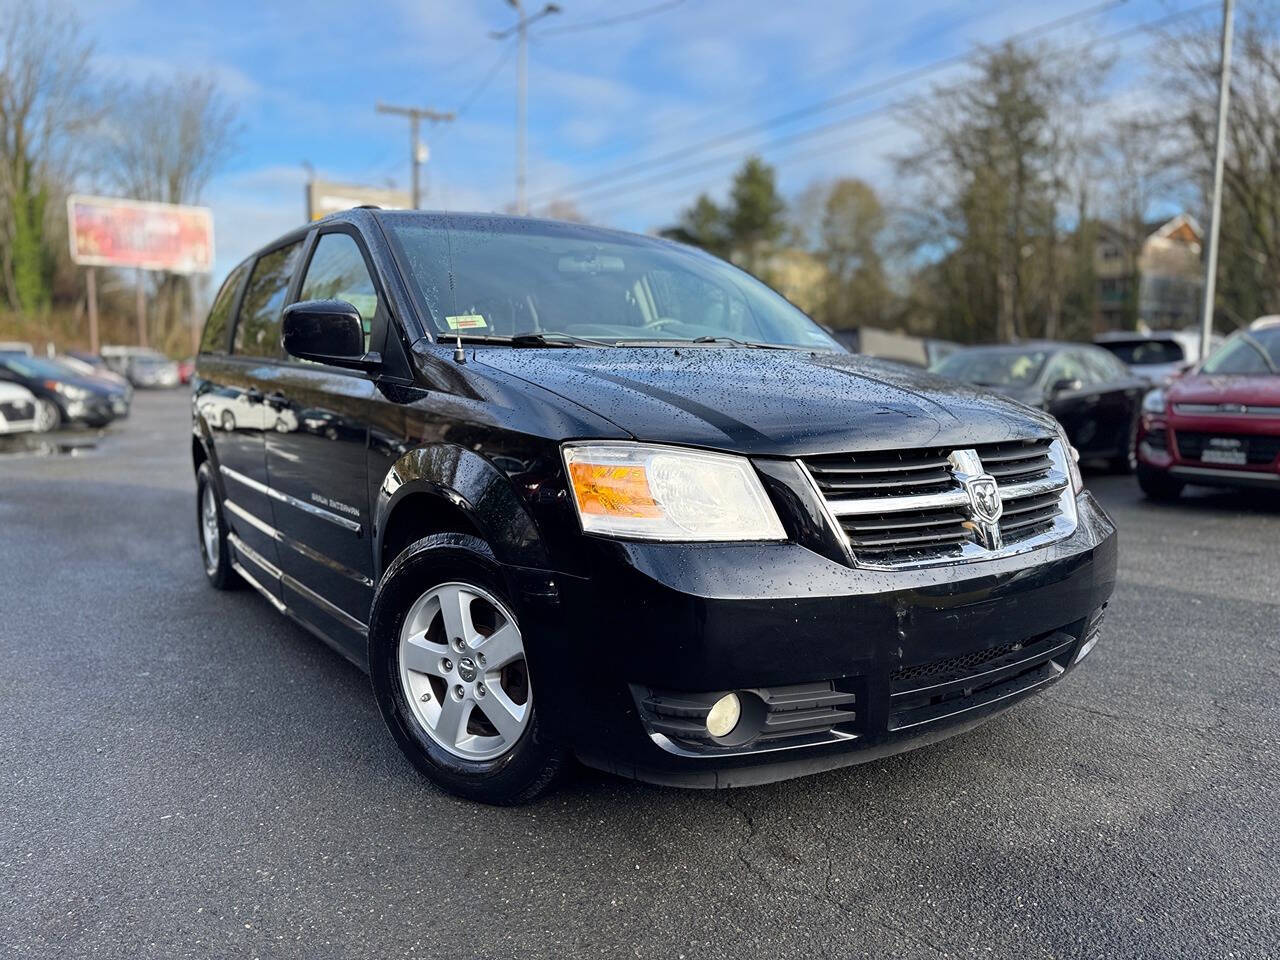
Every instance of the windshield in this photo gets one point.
(994, 368)
(499, 277)
(1145, 351)
(1247, 354)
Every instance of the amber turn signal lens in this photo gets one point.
(614, 490)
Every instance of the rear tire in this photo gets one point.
(1128, 461)
(211, 528)
(504, 769)
(1158, 485)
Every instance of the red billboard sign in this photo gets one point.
(108, 232)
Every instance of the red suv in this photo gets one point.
(1218, 425)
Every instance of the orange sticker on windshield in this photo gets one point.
(467, 321)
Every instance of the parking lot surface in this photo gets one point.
(185, 773)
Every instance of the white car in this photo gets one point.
(1159, 356)
(17, 409)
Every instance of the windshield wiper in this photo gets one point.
(733, 341)
(555, 340)
(750, 344)
(526, 339)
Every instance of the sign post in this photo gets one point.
(91, 295)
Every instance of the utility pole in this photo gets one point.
(521, 30)
(1215, 213)
(417, 149)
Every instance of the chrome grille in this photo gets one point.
(902, 508)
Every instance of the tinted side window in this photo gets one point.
(1111, 367)
(1067, 366)
(258, 329)
(337, 272)
(214, 339)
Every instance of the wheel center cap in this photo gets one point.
(467, 669)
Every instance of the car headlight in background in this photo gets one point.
(652, 492)
(68, 390)
(1153, 402)
(1072, 456)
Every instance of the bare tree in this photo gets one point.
(45, 106)
(165, 141)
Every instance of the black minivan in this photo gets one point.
(569, 492)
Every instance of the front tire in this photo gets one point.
(1158, 485)
(448, 664)
(215, 552)
(48, 415)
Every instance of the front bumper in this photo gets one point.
(1163, 446)
(839, 665)
(17, 416)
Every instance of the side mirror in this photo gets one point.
(326, 331)
(1066, 385)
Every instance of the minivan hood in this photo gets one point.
(757, 401)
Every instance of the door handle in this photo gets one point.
(253, 395)
(277, 400)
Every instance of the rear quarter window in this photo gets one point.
(214, 338)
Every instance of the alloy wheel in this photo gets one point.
(210, 535)
(463, 671)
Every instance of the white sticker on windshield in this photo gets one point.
(467, 321)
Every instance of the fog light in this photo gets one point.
(724, 715)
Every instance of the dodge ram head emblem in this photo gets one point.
(985, 504)
(984, 499)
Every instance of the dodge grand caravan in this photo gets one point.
(566, 492)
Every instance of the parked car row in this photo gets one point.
(39, 394)
(1176, 421)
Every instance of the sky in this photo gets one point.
(611, 105)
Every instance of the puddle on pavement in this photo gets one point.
(49, 444)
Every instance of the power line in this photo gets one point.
(793, 158)
(503, 57)
(867, 115)
(611, 21)
(843, 58)
(611, 186)
(838, 100)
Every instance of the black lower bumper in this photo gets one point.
(834, 665)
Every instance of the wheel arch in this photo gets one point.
(446, 488)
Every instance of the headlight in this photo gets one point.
(1072, 456)
(68, 390)
(650, 492)
(1153, 402)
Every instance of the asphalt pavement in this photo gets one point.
(185, 773)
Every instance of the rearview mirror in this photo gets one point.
(1065, 385)
(326, 331)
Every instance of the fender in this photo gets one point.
(202, 435)
(466, 480)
